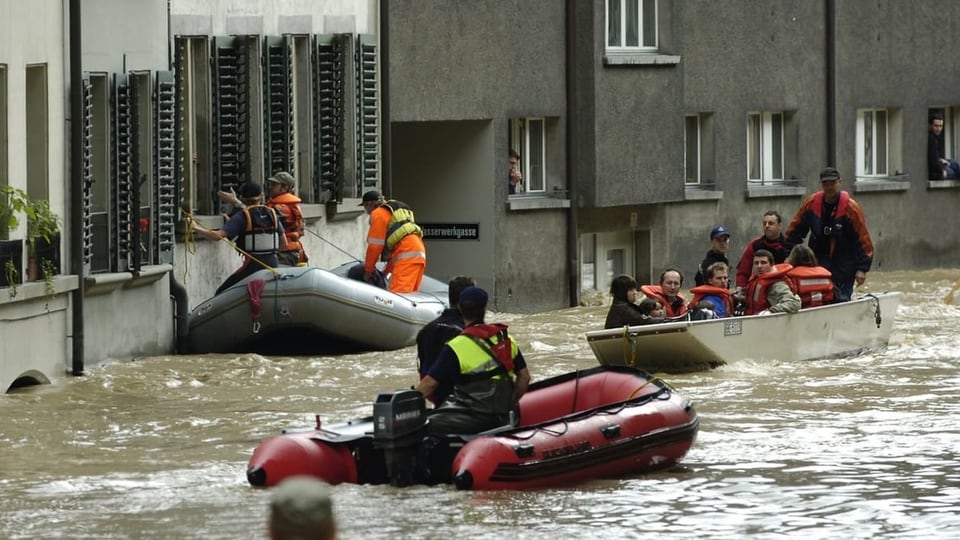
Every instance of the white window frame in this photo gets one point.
(646, 13)
(692, 144)
(873, 142)
(533, 156)
(765, 148)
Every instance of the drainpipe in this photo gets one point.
(572, 147)
(386, 184)
(76, 182)
(831, 76)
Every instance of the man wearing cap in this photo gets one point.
(281, 198)
(301, 508)
(393, 229)
(719, 245)
(486, 369)
(256, 230)
(838, 233)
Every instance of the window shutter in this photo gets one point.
(123, 165)
(86, 174)
(278, 125)
(368, 140)
(328, 70)
(165, 168)
(231, 116)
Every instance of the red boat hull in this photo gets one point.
(601, 422)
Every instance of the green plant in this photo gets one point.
(41, 221)
(12, 273)
(48, 272)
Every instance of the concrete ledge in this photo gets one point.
(534, 202)
(868, 186)
(943, 184)
(762, 192)
(640, 59)
(696, 194)
(38, 289)
(97, 284)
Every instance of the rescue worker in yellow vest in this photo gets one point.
(394, 231)
(486, 368)
(256, 229)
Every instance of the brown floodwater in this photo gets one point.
(859, 447)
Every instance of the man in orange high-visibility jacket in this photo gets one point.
(392, 228)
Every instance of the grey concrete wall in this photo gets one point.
(121, 36)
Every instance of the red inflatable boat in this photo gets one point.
(602, 422)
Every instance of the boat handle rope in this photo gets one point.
(876, 309)
(631, 359)
(190, 221)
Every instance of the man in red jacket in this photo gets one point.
(771, 240)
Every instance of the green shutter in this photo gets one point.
(278, 105)
(368, 139)
(122, 177)
(231, 114)
(328, 70)
(165, 168)
(86, 173)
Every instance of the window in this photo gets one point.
(528, 138)
(765, 147)
(100, 89)
(872, 138)
(691, 148)
(36, 132)
(193, 82)
(4, 139)
(632, 25)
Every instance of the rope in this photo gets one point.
(190, 222)
(629, 360)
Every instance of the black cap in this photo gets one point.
(370, 196)
(250, 190)
(829, 173)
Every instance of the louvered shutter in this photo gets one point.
(329, 71)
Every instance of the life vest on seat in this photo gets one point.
(670, 311)
(288, 206)
(757, 288)
(259, 237)
(702, 291)
(401, 223)
(813, 284)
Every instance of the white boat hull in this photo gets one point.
(687, 346)
(309, 310)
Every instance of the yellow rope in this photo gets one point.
(631, 359)
(229, 242)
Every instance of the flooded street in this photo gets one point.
(861, 447)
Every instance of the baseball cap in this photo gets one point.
(829, 173)
(719, 230)
(474, 295)
(283, 178)
(370, 196)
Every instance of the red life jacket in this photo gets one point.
(702, 291)
(656, 292)
(493, 338)
(814, 285)
(757, 288)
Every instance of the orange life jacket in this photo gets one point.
(757, 288)
(702, 291)
(813, 284)
(288, 206)
(656, 292)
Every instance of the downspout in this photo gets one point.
(831, 76)
(572, 147)
(386, 184)
(178, 292)
(76, 183)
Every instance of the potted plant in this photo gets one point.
(43, 228)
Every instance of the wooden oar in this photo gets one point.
(949, 297)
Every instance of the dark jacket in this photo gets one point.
(710, 258)
(624, 314)
(430, 341)
(935, 151)
(838, 235)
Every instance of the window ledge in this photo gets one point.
(943, 184)
(535, 202)
(38, 289)
(617, 58)
(867, 185)
(104, 283)
(702, 193)
(775, 190)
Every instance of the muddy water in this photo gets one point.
(861, 447)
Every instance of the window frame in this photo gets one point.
(874, 171)
(696, 178)
(520, 135)
(765, 150)
(644, 25)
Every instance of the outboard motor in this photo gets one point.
(399, 420)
